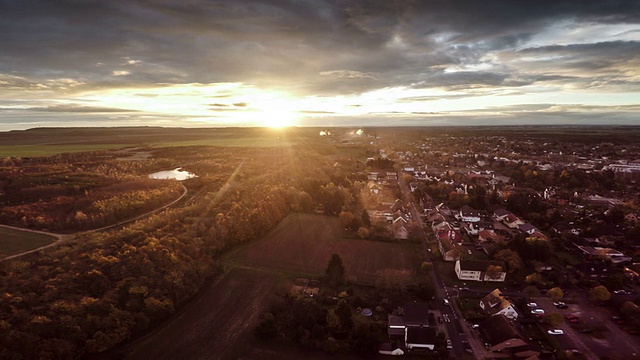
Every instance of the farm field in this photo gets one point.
(302, 244)
(217, 324)
(14, 241)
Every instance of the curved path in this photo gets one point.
(63, 238)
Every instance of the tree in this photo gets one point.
(533, 278)
(553, 319)
(335, 270)
(600, 293)
(363, 232)
(556, 294)
(511, 258)
(493, 271)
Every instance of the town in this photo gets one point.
(434, 243)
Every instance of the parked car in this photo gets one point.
(572, 318)
(446, 302)
(537, 312)
(475, 326)
(555, 332)
(449, 345)
(560, 305)
(532, 305)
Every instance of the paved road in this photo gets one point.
(457, 333)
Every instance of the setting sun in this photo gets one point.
(277, 118)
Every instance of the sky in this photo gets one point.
(201, 63)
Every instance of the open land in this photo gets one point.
(303, 244)
(14, 241)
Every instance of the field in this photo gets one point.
(302, 244)
(217, 324)
(16, 241)
(51, 141)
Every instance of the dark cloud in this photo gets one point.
(308, 47)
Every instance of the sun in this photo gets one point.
(276, 118)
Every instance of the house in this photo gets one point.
(502, 336)
(420, 338)
(500, 214)
(613, 255)
(512, 221)
(414, 326)
(400, 232)
(563, 227)
(631, 218)
(527, 228)
(537, 235)
(468, 214)
(489, 236)
(396, 325)
(476, 270)
(441, 226)
(416, 314)
(474, 228)
(373, 188)
(496, 304)
(448, 246)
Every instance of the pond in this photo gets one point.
(176, 174)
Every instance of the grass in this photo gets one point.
(230, 142)
(53, 149)
(302, 244)
(16, 241)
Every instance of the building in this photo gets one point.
(504, 337)
(476, 270)
(496, 304)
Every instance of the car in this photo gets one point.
(532, 305)
(586, 331)
(475, 326)
(560, 305)
(555, 332)
(446, 302)
(572, 318)
(446, 317)
(621, 292)
(537, 312)
(469, 252)
(464, 289)
(449, 345)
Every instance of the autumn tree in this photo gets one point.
(493, 271)
(556, 294)
(511, 258)
(600, 293)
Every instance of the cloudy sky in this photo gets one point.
(197, 63)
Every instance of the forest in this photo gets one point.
(105, 287)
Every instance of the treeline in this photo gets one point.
(85, 297)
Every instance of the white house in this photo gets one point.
(468, 214)
(496, 304)
(476, 270)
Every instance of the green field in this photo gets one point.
(46, 150)
(16, 241)
(230, 142)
